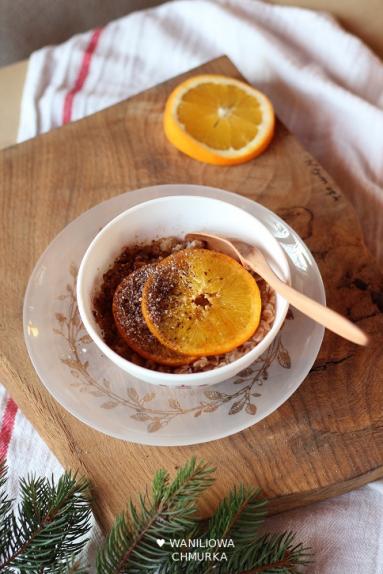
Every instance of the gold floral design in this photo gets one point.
(249, 381)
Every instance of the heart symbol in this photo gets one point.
(160, 542)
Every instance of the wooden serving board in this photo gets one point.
(328, 438)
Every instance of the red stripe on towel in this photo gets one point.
(82, 75)
(7, 425)
(9, 416)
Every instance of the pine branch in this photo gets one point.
(169, 512)
(75, 567)
(5, 503)
(53, 520)
(238, 516)
(5, 508)
(51, 526)
(270, 554)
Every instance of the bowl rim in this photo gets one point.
(177, 379)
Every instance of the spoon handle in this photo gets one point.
(320, 313)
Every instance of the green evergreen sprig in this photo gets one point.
(49, 530)
(170, 512)
(270, 554)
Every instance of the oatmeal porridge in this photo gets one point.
(117, 311)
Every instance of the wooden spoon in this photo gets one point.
(250, 256)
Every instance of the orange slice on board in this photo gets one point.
(219, 120)
(131, 325)
(200, 302)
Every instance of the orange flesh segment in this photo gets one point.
(218, 119)
(201, 303)
(227, 117)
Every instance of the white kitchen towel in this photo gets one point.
(326, 86)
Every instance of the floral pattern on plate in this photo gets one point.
(250, 380)
(97, 392)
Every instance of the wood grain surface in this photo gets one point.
(328, 438)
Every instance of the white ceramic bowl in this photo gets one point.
(175, 216)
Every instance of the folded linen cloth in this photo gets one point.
(326, 86)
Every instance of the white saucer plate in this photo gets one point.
(97, 392)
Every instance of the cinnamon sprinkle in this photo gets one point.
(133, 257)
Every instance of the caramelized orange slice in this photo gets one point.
(131, 324)
(200, 302)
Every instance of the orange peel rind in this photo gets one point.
(218, 120)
